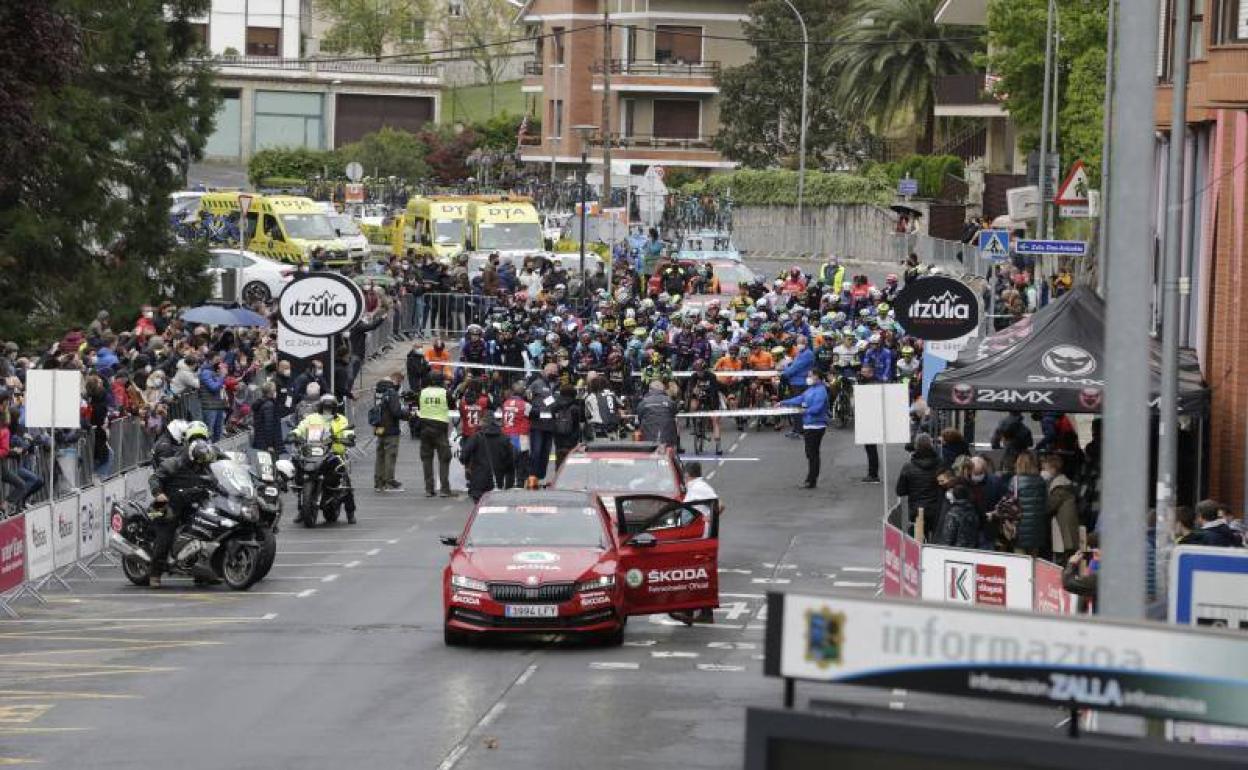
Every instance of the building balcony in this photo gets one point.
(648, 141)
(659, 76)
(533, 82)
(362, 71)
(968, 95)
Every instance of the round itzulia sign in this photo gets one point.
(320, 304)
(937, 308)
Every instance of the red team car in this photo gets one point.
(559, 562)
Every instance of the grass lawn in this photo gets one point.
(472, 103)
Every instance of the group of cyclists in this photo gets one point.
(747, 351)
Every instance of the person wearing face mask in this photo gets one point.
(1063, 512)
(814, 420)
(959, 523)
(794, 375)
(1032, 492)
(312, 374)
(985, 486)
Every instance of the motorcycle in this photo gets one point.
(321, 481)
(225, 537)
(272, 478)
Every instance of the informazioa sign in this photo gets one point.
(320, 304)
(1152, 670)
(937, 308)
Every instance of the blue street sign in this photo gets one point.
(908, 187)
(1208, 587)
(994, 245)
(1060, 248)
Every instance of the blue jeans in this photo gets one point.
(540, 443)
(215, 420)
(417, 324)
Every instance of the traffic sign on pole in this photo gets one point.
(1074, 191)
(994, 245)
(1058, 248)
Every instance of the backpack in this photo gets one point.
(1006, 515)
(605, 403)
(374, 411)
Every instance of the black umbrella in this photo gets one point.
(906, 210)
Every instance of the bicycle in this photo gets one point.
(843, 403)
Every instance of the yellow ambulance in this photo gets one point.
(507, 225)
(431, 225)
(287, 228)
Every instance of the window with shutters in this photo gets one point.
(677, 118)
(1229, 22)
(677, 45)
(264, 41)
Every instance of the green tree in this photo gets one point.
(501, 131)
(388, 152)
(1016, 30)
(888, 57)
(761, 101)
(482, 31)
(374, 27)
(85, 222)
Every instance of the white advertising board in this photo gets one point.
(90, 521)
(881, 414)
(65, 531)
(53, 398)
(39, 542)
(985, 578)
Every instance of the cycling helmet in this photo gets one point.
(552, 338)
(906, 350)
(200, 451)
(629, 323)
(777, 351)
(195, 430)
(639, 333)
(473, 329)
(875, 338)
(327, 403)
(177, 429)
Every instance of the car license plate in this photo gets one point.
(532, 611)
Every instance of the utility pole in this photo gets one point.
(1044, 128)
(1167, 406)
(606, 106)
(1107, 127)
(1124, 504)
(801, 137)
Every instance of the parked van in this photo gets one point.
(507, 225)
(348, 230)
(431, 225)
(286, 228)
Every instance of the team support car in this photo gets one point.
(615, 468)
(559, 562)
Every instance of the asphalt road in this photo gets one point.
(337, 658)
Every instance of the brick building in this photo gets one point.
(1215, 222)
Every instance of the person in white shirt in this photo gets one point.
(700, 494)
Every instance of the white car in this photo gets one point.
(262, 278)
(349, 232)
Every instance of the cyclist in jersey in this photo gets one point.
(702, 394)
(516, 427)
(472, 404)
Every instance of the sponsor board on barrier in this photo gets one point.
(911, 567)
(39, 542)
(90, 521)
(114, 492)
(65, 532)
(1145, 669)
(902, 563)
(1049, 596)
(12, 553)
(967, 576)
(892, 560)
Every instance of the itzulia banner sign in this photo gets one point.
(1169, 672)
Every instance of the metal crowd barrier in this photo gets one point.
(443, 315)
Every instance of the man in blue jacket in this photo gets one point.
(814, 401)
(795, 374)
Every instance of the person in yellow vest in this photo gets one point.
(832, 274)
(338, 478)
(435, 424)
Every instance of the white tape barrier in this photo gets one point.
(728, 374)
(776, 411)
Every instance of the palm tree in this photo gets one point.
(888, 57)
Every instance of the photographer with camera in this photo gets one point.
(386, 416)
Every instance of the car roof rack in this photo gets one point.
(647, 447)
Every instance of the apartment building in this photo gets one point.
(664, 101)
(1214, 317)
(276, 93)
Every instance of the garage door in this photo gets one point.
(360, 114)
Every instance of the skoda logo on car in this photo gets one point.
(320, 304)
(937, 308)
(535, 557)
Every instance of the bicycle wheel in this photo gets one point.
(699, 435)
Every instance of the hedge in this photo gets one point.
(929, 170)
(778, 187)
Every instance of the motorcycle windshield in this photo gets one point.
(233, 479)
(318, 434)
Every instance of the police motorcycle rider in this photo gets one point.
(174, 485)
(170, 440)
(342, 436)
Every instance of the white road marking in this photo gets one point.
(710, 476)
(329, 578)
(745, 596)
(305, 593)
(373, 552)
(612, 665)
(719, 667)
(900, 693)
(734, 571)
(774, 581)
(734, 610)
(672, 654)
(351, 564)
(769, 565)
(391, 542)
(641, 643)
(732, 645)
(528, 672)
(897, 705)
(862, 569)
(853, 584)
(661, 620)
(453, 757)
(756, 627)
(492, 714)
(271, 578)
(321, 541)
(318, 553)
(269, 616)
(309, 564)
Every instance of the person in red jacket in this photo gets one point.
(516, 427)
(472, 405)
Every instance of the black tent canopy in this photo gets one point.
(1053, 360)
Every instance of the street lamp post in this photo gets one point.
(801, 140)
(584, 132)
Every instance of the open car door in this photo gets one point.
(669, 554)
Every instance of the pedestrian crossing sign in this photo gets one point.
(994, 244)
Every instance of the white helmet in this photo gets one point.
(177, 429)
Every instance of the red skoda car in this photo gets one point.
(557, 562)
